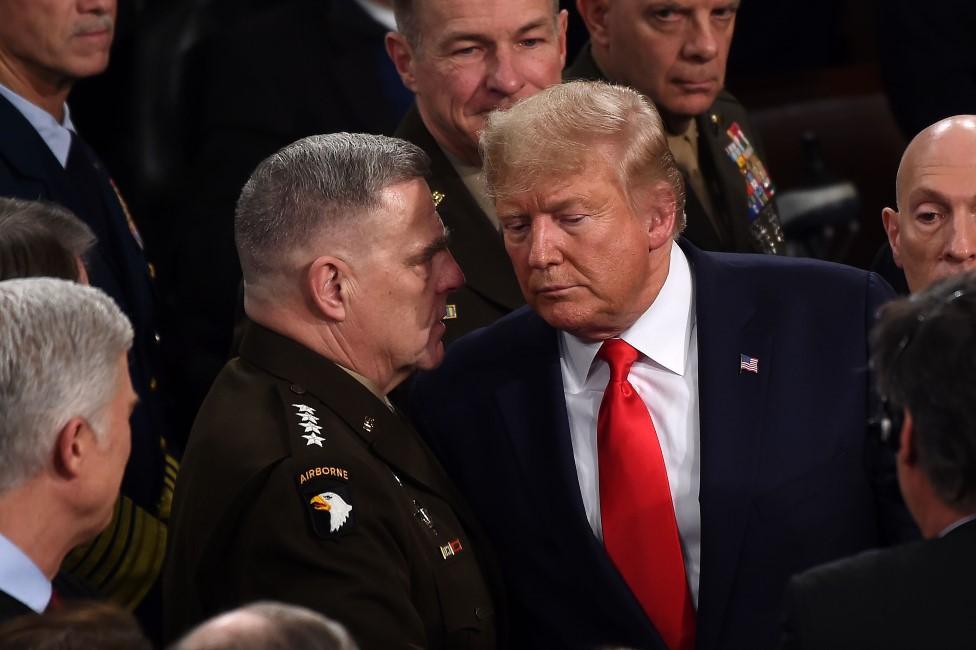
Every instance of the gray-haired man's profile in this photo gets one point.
(65, 402)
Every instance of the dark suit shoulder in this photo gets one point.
(514, 336)
(910, 596)
(782, 273)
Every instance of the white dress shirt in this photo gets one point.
(665, 375)
(57, 135)
(21, 578)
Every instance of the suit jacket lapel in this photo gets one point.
(534, 409)
(475, 243)
(27, 152)
(731, 408)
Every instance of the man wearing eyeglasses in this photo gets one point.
(918, 595)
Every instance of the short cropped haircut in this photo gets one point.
(39, 238)
(60, 344)
(310, 187)
(555, 133)
(924, 357)
(405, 12)
(268, 625)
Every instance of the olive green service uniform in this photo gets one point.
(300, 485)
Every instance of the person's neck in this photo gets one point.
(42, 538)
(45, 91)
(938, 516)
(329, 340)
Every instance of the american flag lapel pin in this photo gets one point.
(748, 364)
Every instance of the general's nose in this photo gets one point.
(452, 277)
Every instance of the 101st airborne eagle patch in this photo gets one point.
(324, 490)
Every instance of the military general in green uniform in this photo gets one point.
(301, 482)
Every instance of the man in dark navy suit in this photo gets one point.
(916, 595)
(45, 47)
(664, 436)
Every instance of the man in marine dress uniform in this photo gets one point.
(675, 53)
(301, 483)
(463, 59)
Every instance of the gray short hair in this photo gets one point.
(308, 188)
(60, 344)
(268, 625)
(405, 12)
(552, 133)
(39, 238)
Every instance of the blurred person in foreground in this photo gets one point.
(301, 483)
(651, 457)
(76, 626)
(65, 402)
(918, 595)
(267, 626)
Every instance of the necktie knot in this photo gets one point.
(620, 356)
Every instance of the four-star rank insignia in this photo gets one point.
(310, 423)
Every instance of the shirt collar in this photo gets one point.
(370, 386)
(57, 135)
(956, 524)
(661, 333)
(21, 578)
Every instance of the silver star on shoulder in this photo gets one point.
(314, 439)
(310, 424)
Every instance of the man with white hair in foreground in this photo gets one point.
(65, 402)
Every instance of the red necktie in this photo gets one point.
(639, 528)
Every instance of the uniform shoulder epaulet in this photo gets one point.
(323, 484)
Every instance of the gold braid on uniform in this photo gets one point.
(124, 560)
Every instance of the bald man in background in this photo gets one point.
(932, 231)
